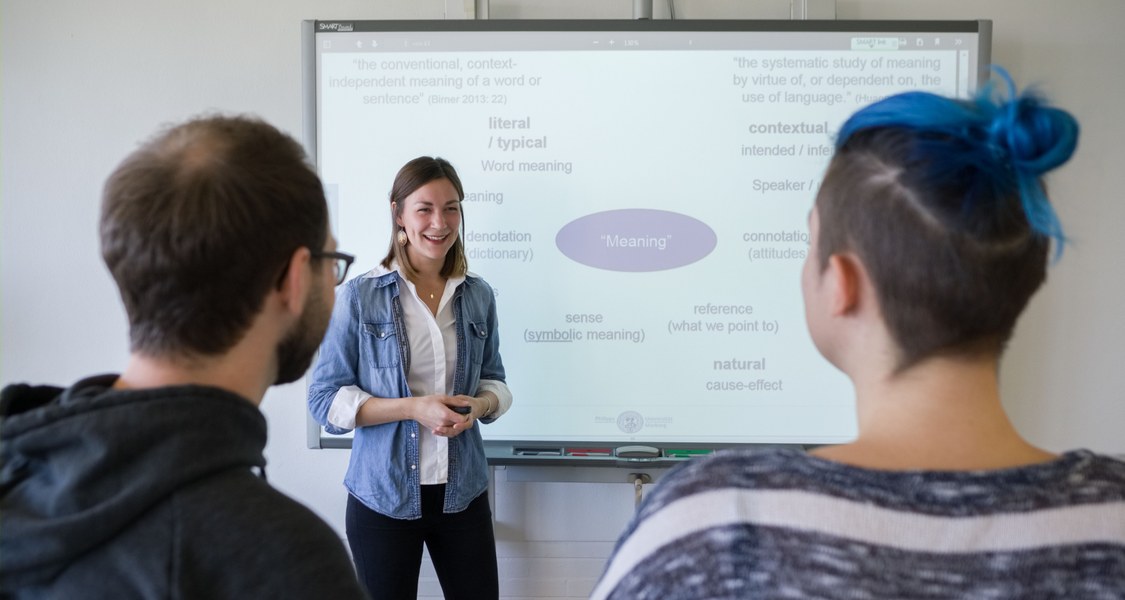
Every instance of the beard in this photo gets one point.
(296, 350)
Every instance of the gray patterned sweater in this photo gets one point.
(783, 524)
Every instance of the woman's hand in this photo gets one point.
(436, 413)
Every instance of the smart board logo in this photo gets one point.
(630, 421)
(337, 27)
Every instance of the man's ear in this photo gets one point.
(845, 278)
(295, 282)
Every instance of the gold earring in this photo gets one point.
(401, 237)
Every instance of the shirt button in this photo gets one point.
(412, 467)
(412, 435)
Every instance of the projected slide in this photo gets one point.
(639, 202)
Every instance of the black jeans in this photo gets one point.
(388, 552)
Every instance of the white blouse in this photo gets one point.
(433, 361)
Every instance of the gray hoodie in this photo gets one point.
(151, 494)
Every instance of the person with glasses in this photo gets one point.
(151, 483)
(411, 363)
(341, 262)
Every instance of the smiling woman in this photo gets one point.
(428, 221)
(426, 184)
(411, 361)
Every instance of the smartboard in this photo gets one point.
(637, 195)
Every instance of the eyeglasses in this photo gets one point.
(341, 261)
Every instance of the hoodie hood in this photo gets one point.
(79, 465)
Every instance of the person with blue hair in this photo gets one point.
(930, 232)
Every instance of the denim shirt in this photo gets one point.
(366, 346)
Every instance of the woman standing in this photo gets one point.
(411, 362)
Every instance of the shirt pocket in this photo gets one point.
(381, 342)
(478, 334)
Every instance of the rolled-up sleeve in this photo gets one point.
(503, 397)
(345, 406)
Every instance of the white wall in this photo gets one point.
(82, 82)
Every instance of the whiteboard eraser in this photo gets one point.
(637, 452)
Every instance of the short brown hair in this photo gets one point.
(410, 177)
(197, 225)
(943, 200)
(950, 279)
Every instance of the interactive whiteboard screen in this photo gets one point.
(637, 195)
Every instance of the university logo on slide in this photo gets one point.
(630, 421)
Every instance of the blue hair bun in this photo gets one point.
(1009, 143)
(1037, 137)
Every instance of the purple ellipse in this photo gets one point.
(636, 239)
